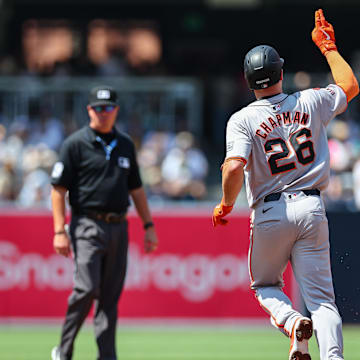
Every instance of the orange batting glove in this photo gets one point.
(220, 211)
(323, 34)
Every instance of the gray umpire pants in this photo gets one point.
(100, 251)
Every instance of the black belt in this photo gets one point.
(276, 196)
(108, 217)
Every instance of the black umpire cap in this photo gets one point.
(103, 95)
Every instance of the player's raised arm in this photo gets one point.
(324, 37)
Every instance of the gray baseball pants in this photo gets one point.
(100, 266)
(295, 228)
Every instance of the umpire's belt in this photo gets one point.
(108, 217)
(276, 196)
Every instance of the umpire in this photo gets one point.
(97, 166)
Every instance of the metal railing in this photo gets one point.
(169, 104)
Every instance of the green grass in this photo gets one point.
(30, 343)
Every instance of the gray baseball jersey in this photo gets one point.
(283, 140)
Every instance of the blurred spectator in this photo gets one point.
(24, 169)
(20, 129)
(11, 152)
(36, 190)
(184, 169)
(172, 167)
(7, 171)
(356, 180)
(344, 149)
(7, 188)
(47, 130)
(339, 146)
(37, 164)
(151, 154)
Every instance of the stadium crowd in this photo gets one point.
(172, 166)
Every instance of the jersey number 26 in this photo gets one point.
(304, 151)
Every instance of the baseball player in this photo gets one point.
(279, 144)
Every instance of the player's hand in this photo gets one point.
(151, 241)
(220, 211)
(62, 244)
(323, 34)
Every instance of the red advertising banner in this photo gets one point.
(197, 271)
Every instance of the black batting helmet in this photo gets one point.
(262, 67)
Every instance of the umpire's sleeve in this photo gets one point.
(64, 170)
(134, 179)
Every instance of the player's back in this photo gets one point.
(283, 140)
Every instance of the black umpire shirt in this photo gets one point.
(98, 170)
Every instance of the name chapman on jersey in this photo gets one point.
(285, 118)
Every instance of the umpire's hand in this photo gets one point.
(62, 244)
(150, 240)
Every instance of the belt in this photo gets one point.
(276, 196)
(108, 217)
